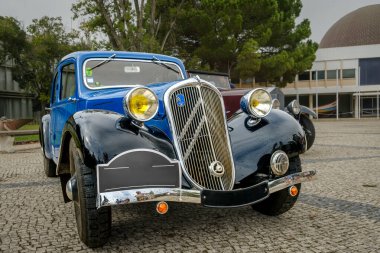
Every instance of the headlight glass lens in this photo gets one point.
(141, 104)
(260, 103)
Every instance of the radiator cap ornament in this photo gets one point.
(216, 169)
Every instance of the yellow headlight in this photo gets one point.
(260, 102)
(257, 103)
(141, 104)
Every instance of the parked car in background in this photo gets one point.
(303, 114)
(128, 128)
(232, 96)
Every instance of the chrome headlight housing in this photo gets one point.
(141, 104)
(294, 107)
(276, 104)
(257, 103)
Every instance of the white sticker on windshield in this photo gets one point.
(90, 80)
(132, 69)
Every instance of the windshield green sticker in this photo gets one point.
(88, 72)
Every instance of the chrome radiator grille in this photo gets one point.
(196, 114)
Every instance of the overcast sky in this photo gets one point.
(321, 13)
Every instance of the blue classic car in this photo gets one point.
(132, 127)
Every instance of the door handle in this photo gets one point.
(71, 99)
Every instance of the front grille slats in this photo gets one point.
(199, 130)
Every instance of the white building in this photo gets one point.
(345, 76)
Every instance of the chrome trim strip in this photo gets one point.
(292, 179)
(187, 196)
(116, 168)
(120, 59)
(138, 186)
(175, 134)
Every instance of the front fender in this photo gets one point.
(308, 111)
(252, 147)
(45, 136)
(102, 135)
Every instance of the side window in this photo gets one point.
(55, 87)
(67, 81)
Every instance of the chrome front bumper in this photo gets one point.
(188, 196)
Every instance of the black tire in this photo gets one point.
(49, 167)
(280, 202)
(308, 126)
(94, 225)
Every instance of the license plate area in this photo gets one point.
(138, 168)
(235, 198)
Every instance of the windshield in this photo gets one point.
(116, 72)
(219, 81)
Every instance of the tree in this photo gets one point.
(48, 43)
(285, 49)
(12, 40)
(248, 38)
(242, 37)
(130, 25)
(248, 60)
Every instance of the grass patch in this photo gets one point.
(28, 138)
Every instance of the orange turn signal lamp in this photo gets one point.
(293, 191)
(162, 207)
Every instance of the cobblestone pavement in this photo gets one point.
(340, 212)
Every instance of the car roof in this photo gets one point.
(119, 54)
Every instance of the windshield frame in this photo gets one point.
(121, 59)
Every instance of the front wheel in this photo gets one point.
(280, 202)
(309, 129)
(94, 225)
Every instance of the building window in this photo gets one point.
(318, 73)
(369, 71)
(321, 74)
(305, 76)
(331, 74)
(348, 73)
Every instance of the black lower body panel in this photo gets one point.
(235, 198)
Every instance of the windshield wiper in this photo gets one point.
(157, 61)
(104, 61)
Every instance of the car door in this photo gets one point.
(53, 100)
(65, 102)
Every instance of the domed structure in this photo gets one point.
(360, 27)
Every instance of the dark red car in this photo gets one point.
(230, 94)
